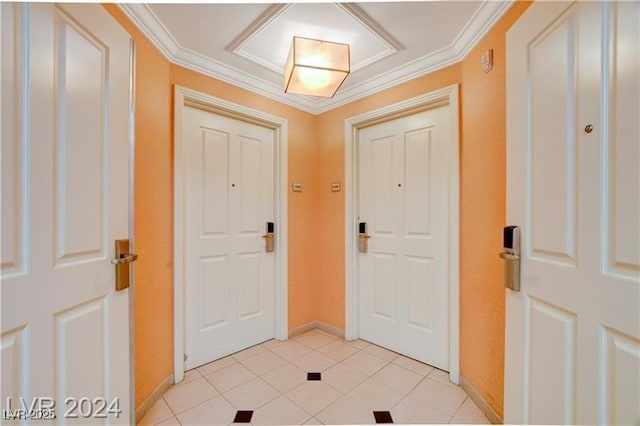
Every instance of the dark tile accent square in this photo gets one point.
(314, 376)
(382, 417)
(243, 417)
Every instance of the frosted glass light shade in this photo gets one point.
(316, 67)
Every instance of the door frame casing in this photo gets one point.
(447, 96)
(188, 97)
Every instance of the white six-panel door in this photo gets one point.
(573, 331)
(404, 200)
(229, 198)
(65, 191)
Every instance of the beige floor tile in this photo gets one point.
(183, 396)
(338, 350)
(216, 365)
(358, 344)
(413, 365)
(381, 352)
(291, 350)
(158, 412)
(365, 363)
(273, 343)
(410, 411)
(346, 411)
(191, 375)
(285, 378)
(230, 377)
(398, 378)
(248, 353)
(263, 362)
(441, 377)
(313, 397)
(440, 396)
(171, 421)
(376, 396)
(469, 413)
(216, 411)
(313, 421)
(313, 362)
(314, 340)
(343, 378)
(280, 411)
(251, 395)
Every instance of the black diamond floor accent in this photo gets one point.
(382, 417)
(243, 416)
(314, 376)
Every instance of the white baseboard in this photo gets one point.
(157, 393)
(479, 400)
(327, 328)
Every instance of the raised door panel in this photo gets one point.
(552, 169)
(248, 284)
(13, 141)
(383, 291)
(81, 351)
(15, 364)
(382, 193)
(215, 288)
(622, 189)
(551, 367)
(417, 178)
(419, 297)
(620, 372)
(81, 128)
(215, 182)
(250, 185)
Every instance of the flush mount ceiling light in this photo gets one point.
(316, 67)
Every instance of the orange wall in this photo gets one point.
(153, 291)
(153, 316)
(482, 210)
(316, 158)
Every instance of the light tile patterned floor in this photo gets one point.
(357, 379)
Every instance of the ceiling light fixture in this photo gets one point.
(316, 67)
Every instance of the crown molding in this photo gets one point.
(481, 22)
(353, 11)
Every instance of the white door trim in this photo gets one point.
(184, 97)
(445, 96)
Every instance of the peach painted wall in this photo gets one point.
(483, 208)
(153, 317)
(153, 219)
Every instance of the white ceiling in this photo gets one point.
(247, 44)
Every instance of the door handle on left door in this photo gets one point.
(122, 261)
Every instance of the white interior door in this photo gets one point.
(404, 200)
(229, 198)
(65, 200)
(572, 332)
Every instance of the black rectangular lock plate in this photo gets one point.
(270, 228)
(362, 228)
(507, 237)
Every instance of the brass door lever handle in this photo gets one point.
(124, 258)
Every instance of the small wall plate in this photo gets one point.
(335, 187)
(296, 187)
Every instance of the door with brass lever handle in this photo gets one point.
(122, 261)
